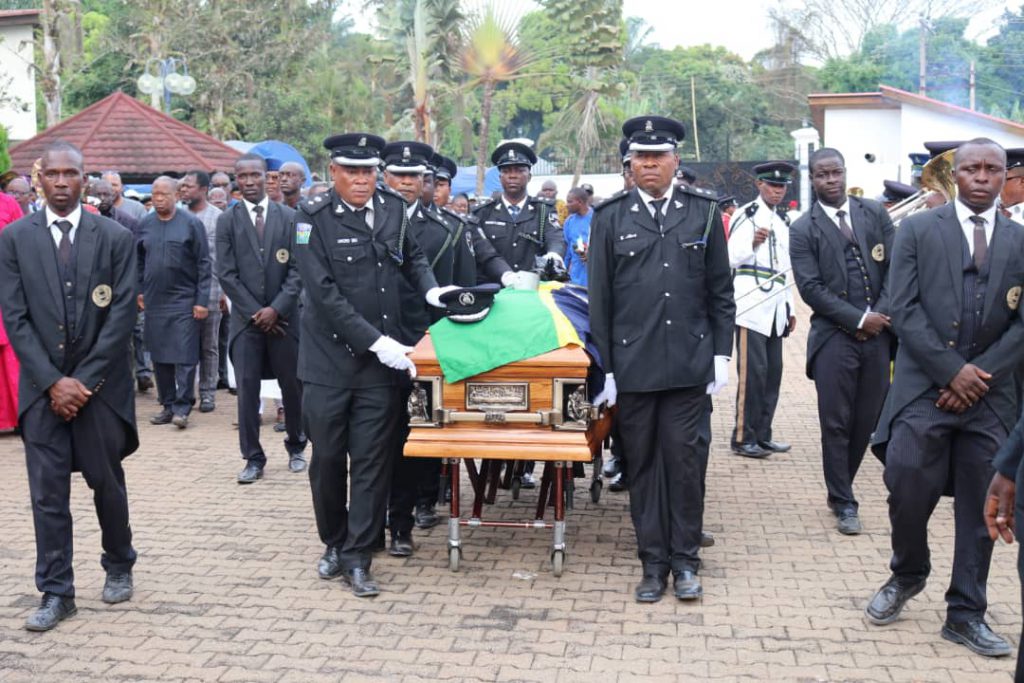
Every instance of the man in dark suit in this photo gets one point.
(661, 314)
(257, 271)
(68, 301)
(840, 252)
(955, 288)
(353, 250)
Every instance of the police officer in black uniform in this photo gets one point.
(661, 312)
(354, 249)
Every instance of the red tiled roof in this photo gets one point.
(121, 133)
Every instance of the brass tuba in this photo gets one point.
(936, 176)
(855, 192)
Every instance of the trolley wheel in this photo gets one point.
(454, 557)
(517, 483)
(557, 562)
(595, 490)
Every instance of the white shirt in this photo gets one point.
(251, 208)
(507, 203)
(412, 209)
(831, 212)
(368, 216)
(647, 199)
(964, 214)
(75, 217)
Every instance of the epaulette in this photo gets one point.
(317, 203)
(381, 187)
(483, 203)
(435, 217)
(611, 200)
(698, 192)
(543, 200)
(470, 220)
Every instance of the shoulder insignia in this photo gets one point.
(482, 204)
(543, 200)
(317, 203)
(611, 200)
(437, 219)
(697, 192)
(387, 190)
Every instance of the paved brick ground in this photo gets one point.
(227, 590)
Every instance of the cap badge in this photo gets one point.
(467, 299)
(362, 142)
(649, 127)
(405, 154)
(511, 154)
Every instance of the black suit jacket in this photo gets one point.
(926, 291)
(817, 252)
(255, 275)
(31, 298)
(661, 303)
(351, 276)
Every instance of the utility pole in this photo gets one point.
(971, 86)
(922, 86)
(693, 116)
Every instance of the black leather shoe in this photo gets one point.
(774, 446)
(207, 405)
(888, 602)
(222, 384)
(164, 417)
(706, 540)
(848, 523)
(362, 582)
(296, 463)
(401, 544)
(977, 637)
(118, 588)
(145, 383)
(251, 473)
(650, 589)
(750, 450)
(426, 517)
(329, 566)
(687, 586)
(52, 610)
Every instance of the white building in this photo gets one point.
(17, 76)
(876, 131)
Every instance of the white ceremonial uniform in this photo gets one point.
(756, 307)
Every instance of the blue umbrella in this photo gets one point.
(283, 152)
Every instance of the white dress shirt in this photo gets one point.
(251, 208)
(831, 212)
(647, 199)
(75, 217)
(964, 214)
(368, 216)
(507, 203)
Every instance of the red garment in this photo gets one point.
(10, 211)
(725, 224)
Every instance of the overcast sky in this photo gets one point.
(740, 25)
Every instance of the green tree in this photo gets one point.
(5, 157)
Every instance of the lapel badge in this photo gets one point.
(339, 209)
(282, 255)
(635, 208)
(1013, 297)
(878, 252)
(678, 204)
(103, 295)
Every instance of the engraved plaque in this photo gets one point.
(491, 397)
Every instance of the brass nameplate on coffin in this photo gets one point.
(491, 397)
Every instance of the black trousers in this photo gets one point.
(1018, 519)
(175, 386)
(759, 365)
(852, 379)
(353, 433)
(927, 446)
(92, 444)
(662, 444)
(406, 474)
(222, 348)
(251, 351)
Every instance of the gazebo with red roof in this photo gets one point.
(123, 134)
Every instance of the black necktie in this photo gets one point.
(980, 244)
(656, 204)
(258, 209)
(64, 248)
(845, 228)
(513, 210)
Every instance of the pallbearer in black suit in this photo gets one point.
(68, 301)
(354, 249)
(955, 288)
(661, 312)
(840, 252)
(257, 271)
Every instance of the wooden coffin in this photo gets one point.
(534, 409)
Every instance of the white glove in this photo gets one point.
(392, 354)
(609, 394)
(721, 375)
(434, 295)
(557, 257)
(508, 278)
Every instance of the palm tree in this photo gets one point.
(491, 55)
